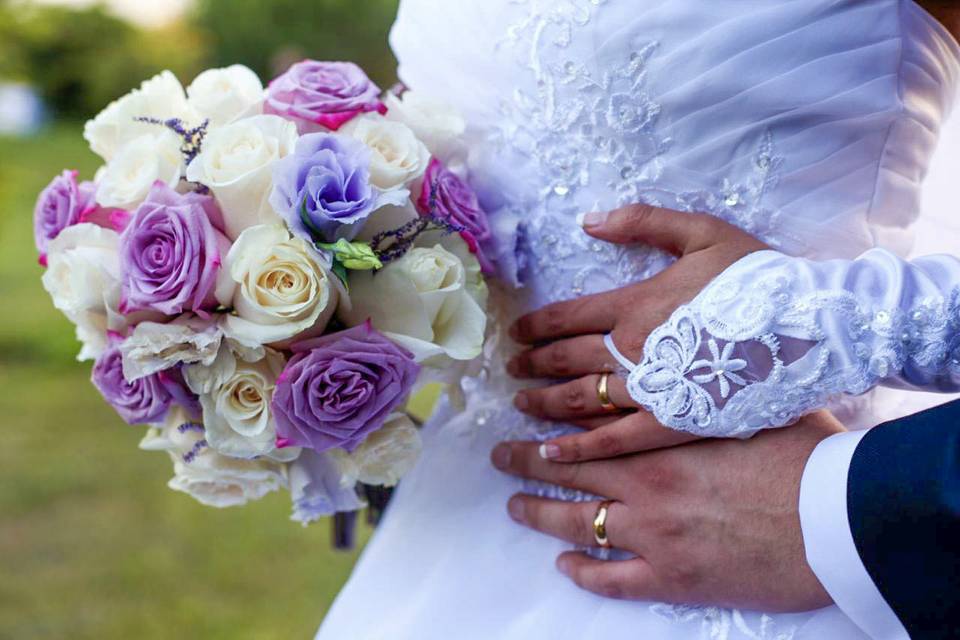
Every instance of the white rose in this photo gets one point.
(430, 301)
(161, 97)
(128, 177)
(155, 346)
(385, 456)
(92, 331)
(436, 124)
(83, 269)
(236, 412)
(225, 95)
(236, 162)
(397, 157)
(285, 287)
(212, 479)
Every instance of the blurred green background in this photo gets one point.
(92, 543)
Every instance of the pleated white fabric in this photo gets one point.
(807, 122)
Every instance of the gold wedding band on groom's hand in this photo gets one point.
(603, 393)
(600, 524)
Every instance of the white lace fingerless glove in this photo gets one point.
(774, 337)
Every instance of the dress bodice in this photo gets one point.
(808, 123)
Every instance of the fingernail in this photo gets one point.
(521, 402)
(549, 451)
(513, 367)
(501, 456)
(592, 218)
(563, 566)
(515, 509)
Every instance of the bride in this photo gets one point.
(808, 124)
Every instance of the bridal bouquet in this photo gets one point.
(263, 276)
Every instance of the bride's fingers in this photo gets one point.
(570, 521)
(584, 315)
(522, 459)
(564, 359)
(576, 399)
(632, 579)
(629, 434)
(675, 231)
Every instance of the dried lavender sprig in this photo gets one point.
(192, 138)
(405, 235)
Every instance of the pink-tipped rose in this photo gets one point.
(62, 204)
(328, 94)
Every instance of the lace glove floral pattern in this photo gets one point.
(774, 337)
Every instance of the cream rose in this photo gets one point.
(397, 157)
(155, 346)
(83, 269)
(236, 163)
(385, 456)
(212, 479)
(127, 178)
(236, 411)
(161, 97)
(436, 124)
(225, 95)
(285, 288)
(431, 301)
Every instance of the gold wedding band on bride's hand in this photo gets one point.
(603, 393)
(600, 524)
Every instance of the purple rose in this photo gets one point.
(141, 401)
(339, 388)
(60, 205)
(446, 196)
(171, 253)
(328, 94)
(323, 188)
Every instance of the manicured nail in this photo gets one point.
(513, 367)
(563, 565)
(592, 218)
(501, 456)
(515, 509)
(549, 451)
(521, 402)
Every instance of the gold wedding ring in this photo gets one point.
(600, 524)
(603, 393)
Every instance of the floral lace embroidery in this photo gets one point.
(877, 344)
(720, 624)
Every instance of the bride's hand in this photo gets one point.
(567, 337)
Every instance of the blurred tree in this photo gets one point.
(81, 59)
(267, 35)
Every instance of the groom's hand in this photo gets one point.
(714, 522)
(567, 337)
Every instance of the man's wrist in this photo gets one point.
(828, 540)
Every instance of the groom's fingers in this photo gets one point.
(630, 434)
(564, 359)
(523, 459)
(584, 315)
(576, 399)
(624, 579)
(570, 521)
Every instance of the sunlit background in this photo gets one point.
(92, 543)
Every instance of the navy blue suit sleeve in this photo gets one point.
(903, 500)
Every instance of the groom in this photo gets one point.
(790, 520)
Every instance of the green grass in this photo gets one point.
(92, 543)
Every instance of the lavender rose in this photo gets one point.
(142, 401)
(323, 190)
(446, 196)
(60, 205)
(171, 253)
(328, 94)
(339, 388)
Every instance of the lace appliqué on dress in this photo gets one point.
(723, 624)
(863, 346)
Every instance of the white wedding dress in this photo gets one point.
(809, 123)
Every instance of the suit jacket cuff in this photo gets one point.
(828, 539)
